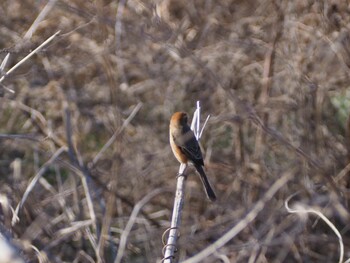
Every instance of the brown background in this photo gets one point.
(273, 75)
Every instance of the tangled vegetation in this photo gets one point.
(87, 117)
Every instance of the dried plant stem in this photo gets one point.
(117, 132)
(44, 12)
(253, 213)
(29, 56)
(110, 208)
(174, 231)
(30, 137)
(303, 209)
(84, 175)
(31, 185)
(132, 219)
(265, 90)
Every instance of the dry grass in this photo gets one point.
(273, 74)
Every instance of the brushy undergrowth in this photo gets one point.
(274, 76)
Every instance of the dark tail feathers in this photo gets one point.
(208, 189)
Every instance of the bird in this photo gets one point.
(186, 148)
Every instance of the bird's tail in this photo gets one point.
(208, 189)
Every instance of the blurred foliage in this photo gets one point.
(342, 103)
(273, 75)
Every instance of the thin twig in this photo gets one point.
(3, 63)
(244, 222)
(304, 209)
(30, 137)
(117, 132)
(174, 231)
(132, 219)
(205, 124)
(31, 185)
(83, 174)
(39, 18)
(29, 56)
(118, 36)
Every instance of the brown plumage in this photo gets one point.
(186, 148)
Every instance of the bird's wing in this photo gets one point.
(191, 149)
